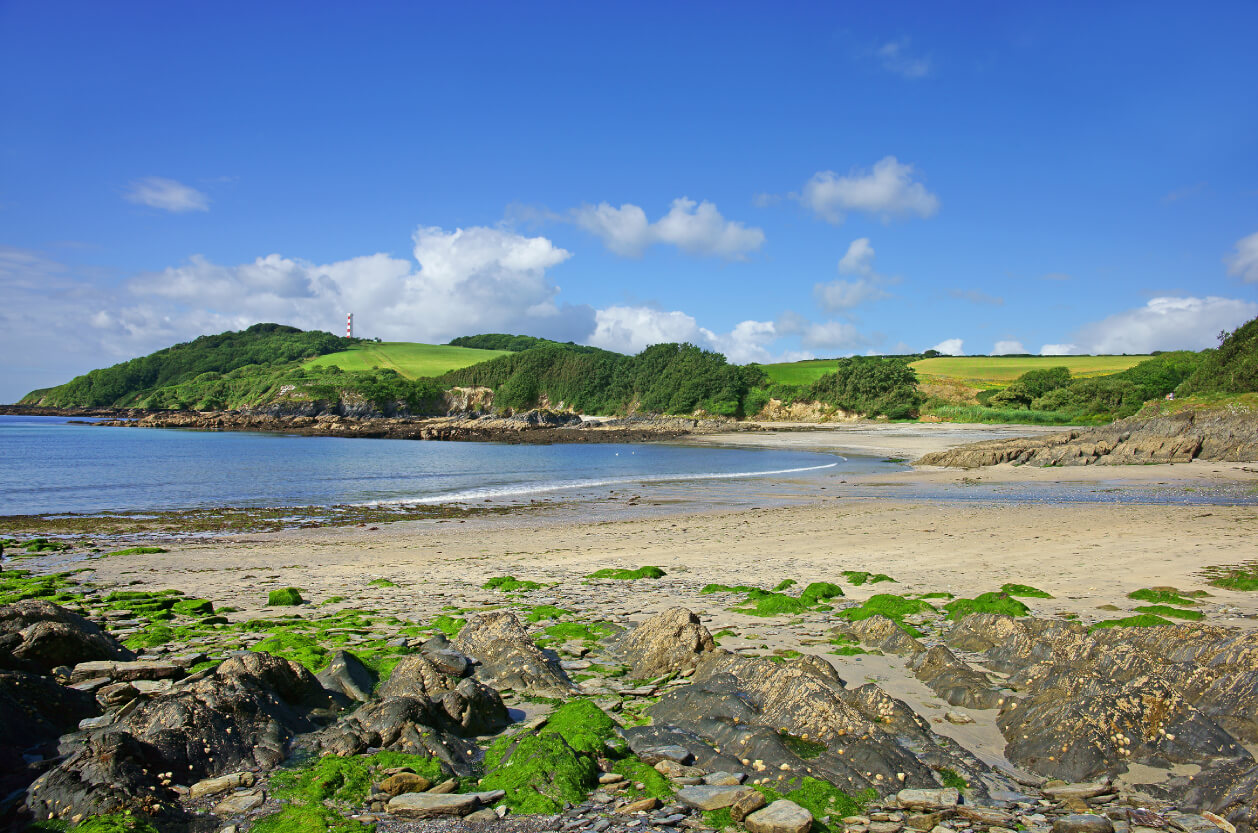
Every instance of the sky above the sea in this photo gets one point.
(774, 181)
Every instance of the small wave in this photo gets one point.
(537, 488)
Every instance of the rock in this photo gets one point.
(1083, 823)
(724, 779)
(642, 805)
(221, 784)
(610, 778)
(475, 707)
(931, 799)
(127, 671)
(482, 816)
(1082, 791)
(959, 718)
(38, 636)
(404, 782)
(746, 804)
(449, 661)
(490, 796)
(415, 725)
(34, 712)
(445, 787)
(704, 797)
(432, 805)
(240, 715)
(782, 816)
(239, 803)
(955, 681)
(415, 676)
(652, 755)
(509, 659)
(986, 815)
(346, 675)
(668, 642)
(882, 633)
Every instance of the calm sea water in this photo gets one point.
(50, 466)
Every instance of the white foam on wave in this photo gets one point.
(516, 490)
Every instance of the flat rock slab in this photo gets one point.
(939, 799)
(221, 784)
(433, 805)
(126, 671)
(1083, 823)
(1080, 791)
(239, 803)
(708, 797)
(654, 754)
(782, 816)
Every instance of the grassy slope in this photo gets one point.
(413, 361)
(977, 371)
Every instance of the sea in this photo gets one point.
(52, 465)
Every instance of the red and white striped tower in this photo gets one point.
(349, 325)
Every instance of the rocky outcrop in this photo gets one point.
(240, 715)
(415, 725)
(38, 636)
(1115, 697)
(508, 659)
(792, 720)
(955, 681)
(882, 633)
(669, 642)
(1173, 438)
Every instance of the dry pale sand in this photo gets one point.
(1085, 554)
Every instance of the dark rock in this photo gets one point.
(882, 633)
(1083, 823)
(348, 677)
(237, 717)
(39, 636)
(415, 725)
(955, 681)
(34, 712)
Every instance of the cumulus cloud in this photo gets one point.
(1243, 262)
(166, 194)
(1166, 323)
(897, 58)
(976, 297)
(630, 329)
(1059, 350)
(834, 336)
(1005, 348)
(694, 227)
(950, 347)
(888, 191)
(839, 295)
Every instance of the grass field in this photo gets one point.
(409, 359)
(974, 371)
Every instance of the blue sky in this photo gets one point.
(770, 180)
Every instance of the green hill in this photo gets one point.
(409, 359)
(132, 383)
(975, 371)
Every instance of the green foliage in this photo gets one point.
(996, 602)
(138, 551)
(1236, 578)
(819, 591)
(1162, 595)
(823, 799)
(449, 625)
(193, 607)
(1026, 591)
(664, 378)
(1031, 386)
(951, 778)
(262, 345)
(308, 818)
(150, 636)
(510, 584)
(300, 648)
(765, 603)
(540, 613)
(1144, 620)
(114, 823)
(994, 416)
(284, 597)
(872, 386)
(16, 585)
(653, 784)
(728, 588)
(1175, 612)
(628, 575)
(890, 605)
(381, 582)
(349, 779)
(36, 545)
(566, 631)
(515, 344)
(1230, 368)
(784, 584)
(805, 749)
(859, 577)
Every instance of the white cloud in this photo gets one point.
(1165, 324)
(887, 191)
(167, 194)
(1243, 263)
(695, 228)
(1004, 348)
(896, 58)
(833, 336)
(842, 294)
(1059, 350)
(630, 329)
(950, 347)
